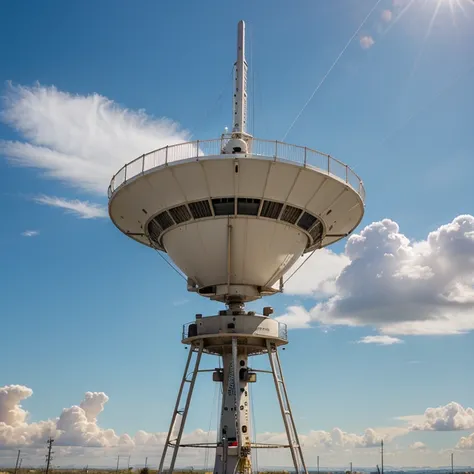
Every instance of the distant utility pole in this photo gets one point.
(381, 453)
(118, 460)
(452, 463)
(49, 456)
(17, 459)
(146, 462)
(351, 467)
(128, 465)
(318, 464)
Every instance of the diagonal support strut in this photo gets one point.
(175, 444)
(287, 415)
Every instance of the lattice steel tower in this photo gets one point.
(234, 214)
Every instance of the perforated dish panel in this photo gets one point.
(226, 207)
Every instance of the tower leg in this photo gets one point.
(181, 412)
(233, 451)
(290, 427)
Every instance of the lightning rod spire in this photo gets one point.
(240, 89)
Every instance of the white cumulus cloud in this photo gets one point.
(79, 435)
(450, 417)
(334, 439)
(11, 412)
(14, 427)
(317, 276)
(80, 140)
(403, 287)
(369, 439)
(466, 442)
(77, 426)
(93, 404)
(380, 340)
(418, 446)
(296, 317)
(81, 209)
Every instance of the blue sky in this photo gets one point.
(86, 309)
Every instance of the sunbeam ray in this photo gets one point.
(399, 16)
(461, 7)
(433, 18)
(425, 39)
(451, 9)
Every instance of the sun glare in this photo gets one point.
(436, 7)
(455, 7)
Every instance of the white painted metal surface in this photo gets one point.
(235, 337)
(217, 332)
(234, 214)
(261, 249)
(240, 89)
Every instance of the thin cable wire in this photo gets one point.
(173, 267)
(254, 431)
(210, 110)
(302, 263)
(428, 104)
(182, 275)
(330, 69)
(206, 455)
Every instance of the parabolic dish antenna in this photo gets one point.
(234, 214)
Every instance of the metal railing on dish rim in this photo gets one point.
(270, 149)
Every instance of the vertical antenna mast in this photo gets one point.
(240, 90)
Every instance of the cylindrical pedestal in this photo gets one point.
(233, 450)
(234, 335)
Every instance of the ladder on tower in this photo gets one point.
(180, 413)
(290, 427)
(244, 465)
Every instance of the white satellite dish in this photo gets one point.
(234, 214)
